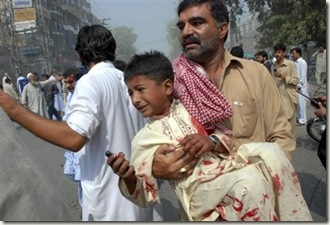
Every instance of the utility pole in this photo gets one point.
(45, 34)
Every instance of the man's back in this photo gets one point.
(99, 110)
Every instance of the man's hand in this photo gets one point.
(321, 112)
(196, 144)
(168, 161)
(322, 99)
(8, 104)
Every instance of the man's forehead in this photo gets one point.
(195, 11)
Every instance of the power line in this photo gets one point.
(99, 9)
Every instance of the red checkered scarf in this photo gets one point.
(199, 95)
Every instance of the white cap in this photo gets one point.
(28, 75)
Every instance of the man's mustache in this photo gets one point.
(190, 40)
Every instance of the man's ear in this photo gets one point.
(223, 30)
(168, 85)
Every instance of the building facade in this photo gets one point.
(40, 35)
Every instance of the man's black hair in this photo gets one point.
(217, 8)
(95, 44)
(297, 49)
(280, 47)
(237, 51)
(263, 54)
(72, 70)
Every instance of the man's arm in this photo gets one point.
(55, 132)
(167, 166)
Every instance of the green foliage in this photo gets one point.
(125, 40)
(288, 21)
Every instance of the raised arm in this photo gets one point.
(55, 132)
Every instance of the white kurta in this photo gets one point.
(58, 98)
(258, 183)
(34, 97)
(303, 84)
(99, 111)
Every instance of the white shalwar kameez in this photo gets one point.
(34, 97)
(99, 111)
(257, 183)
(58, 99)
(303, 85)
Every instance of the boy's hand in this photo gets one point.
(120, 165)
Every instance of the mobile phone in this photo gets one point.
(275, 70)
(108, 153)
(313, 101)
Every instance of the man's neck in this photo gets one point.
(279, 62)
(90, 66)
(214, 67)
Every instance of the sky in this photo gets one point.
(149, 18)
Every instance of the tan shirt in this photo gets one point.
(258, 113)
(287, 86)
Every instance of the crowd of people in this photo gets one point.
(289, 69)
(219, 127)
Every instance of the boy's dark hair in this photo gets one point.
(154, 64)
(95, 44)
(279, 47)
(263, 54)
(217, 8)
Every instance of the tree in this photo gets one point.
(125, 40)
(289, 21)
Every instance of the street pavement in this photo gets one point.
(311, 173)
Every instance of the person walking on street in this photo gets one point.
(302, 85)
(99, 119)
(286, 78)
(21, 82)
(33, 96)
(50, 90)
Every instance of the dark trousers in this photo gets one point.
(52, 111)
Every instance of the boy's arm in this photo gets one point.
(139, 187)
(124, 170)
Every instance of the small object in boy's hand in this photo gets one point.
(108, 154)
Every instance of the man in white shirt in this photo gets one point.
(302, 85)
(99, 119)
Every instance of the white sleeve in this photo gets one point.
(83, 116)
